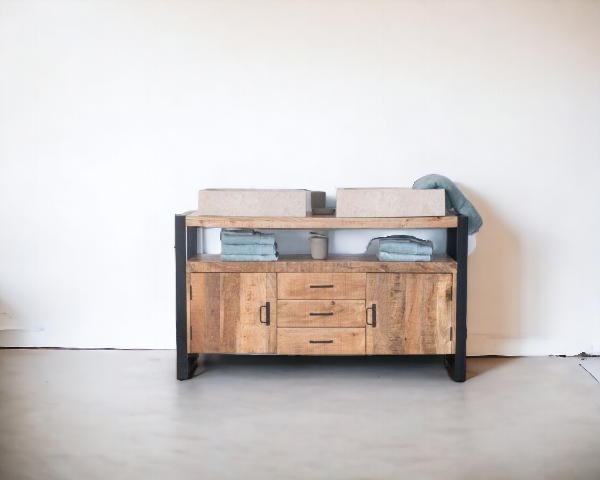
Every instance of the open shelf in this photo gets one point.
(335, 263)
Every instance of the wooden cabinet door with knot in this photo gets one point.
(232, 313)
(409, 313)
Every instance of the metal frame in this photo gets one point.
(456, 247)
(186, 246)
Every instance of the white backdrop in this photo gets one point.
(113, 114)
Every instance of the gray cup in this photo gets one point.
(318, 247)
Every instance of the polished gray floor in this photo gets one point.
(68, 414)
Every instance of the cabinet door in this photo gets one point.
(413, 313)
(233, 313)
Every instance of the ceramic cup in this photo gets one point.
(318, 247)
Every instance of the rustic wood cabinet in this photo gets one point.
(345, 305)
(412, 313)
(231, 312)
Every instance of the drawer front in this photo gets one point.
(321, 341)
(321, 313)
(321, 286)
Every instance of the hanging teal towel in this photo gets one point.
(454, 199)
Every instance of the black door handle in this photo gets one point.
(267, 308)
(373, 309)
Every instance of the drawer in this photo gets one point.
(321, 286)
(321, 313)
(321, 341)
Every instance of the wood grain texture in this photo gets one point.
(319, 221)
(336, 263)
(321, 286)
(321, 341)
(453, 312)
(321, 313)
(225, 313)
(414, 313)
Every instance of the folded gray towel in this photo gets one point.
(406, 244)
(248, 249)
(454, 199)
(249, 258)
(246, 237)
(238, 231)
(403, 244)
(401, 257)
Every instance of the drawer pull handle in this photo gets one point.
(267, 308)
(373, 309)
(321, 286)
(320, 341)
(321, 314)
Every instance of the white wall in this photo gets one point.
(113, 114)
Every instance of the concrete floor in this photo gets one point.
(123, 415)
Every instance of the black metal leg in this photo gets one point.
(456, 247)
(185, 246)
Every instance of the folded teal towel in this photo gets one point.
(454, 199)
(249, 258)
(403, 244)
(248, 249)
(238, 231)
(406, 245)
(246, 237)
(401, 257)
